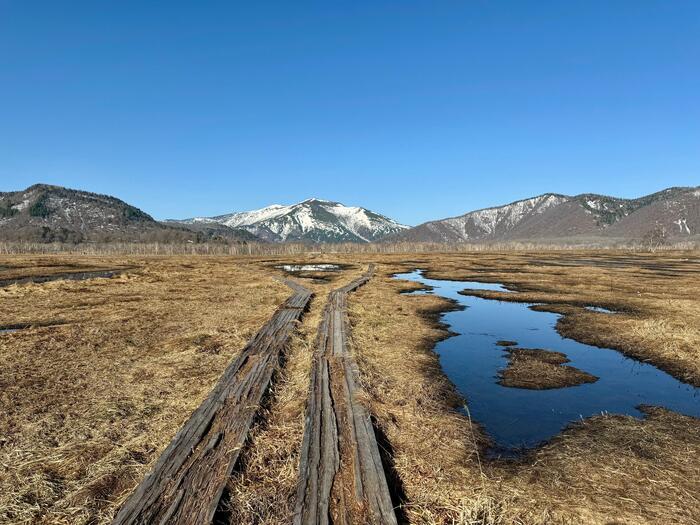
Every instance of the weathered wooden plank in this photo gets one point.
(341, 477)
(186, 483)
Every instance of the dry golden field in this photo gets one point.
(94, 390)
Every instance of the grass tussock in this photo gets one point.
(537, 369)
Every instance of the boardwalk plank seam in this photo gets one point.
(341, 476)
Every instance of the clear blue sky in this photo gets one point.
(416, 109)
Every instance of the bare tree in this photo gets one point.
(655, 238)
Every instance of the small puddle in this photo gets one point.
(73, 276)
(295, 268)
(517, 418)
(600, 310)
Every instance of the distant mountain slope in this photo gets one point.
(552, 216)
(44, 213)
(312, 220)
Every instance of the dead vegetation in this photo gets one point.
(87, 406)
(606, 469)
(173, 246)
(537, 369)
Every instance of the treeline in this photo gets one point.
(264, 249)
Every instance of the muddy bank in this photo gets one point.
(69, 276)
(14, 327)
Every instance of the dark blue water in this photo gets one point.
(518, 418)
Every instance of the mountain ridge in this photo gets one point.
(675, 211)
(48, 213)
(311, 220)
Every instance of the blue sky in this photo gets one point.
(415, 109)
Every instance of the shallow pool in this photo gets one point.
(309, 267)
(517, 418)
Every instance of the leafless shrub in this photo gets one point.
(271, 249)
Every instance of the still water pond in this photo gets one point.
(518, 418)
(293, 268)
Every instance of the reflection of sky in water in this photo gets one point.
(516, 417)
(309, 267)
(599, 309)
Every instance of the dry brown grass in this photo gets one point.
(86, 407)
(608, 469)
(538, 369)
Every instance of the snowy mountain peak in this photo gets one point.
(312, 220)
(314, 200)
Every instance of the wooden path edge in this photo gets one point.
(186, 483)
(341, 476)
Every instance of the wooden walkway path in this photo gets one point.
(341, 477)
(187, 481)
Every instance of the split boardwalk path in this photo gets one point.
(341, 477)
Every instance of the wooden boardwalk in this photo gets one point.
(341, 477)
(186, 483)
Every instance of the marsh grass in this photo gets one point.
(86, 407)
(606, 469)
(538, 369)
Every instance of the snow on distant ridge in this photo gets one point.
(314, 220)
(488, 221)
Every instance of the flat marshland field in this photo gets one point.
(98, 374)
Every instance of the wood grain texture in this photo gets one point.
(341, 476)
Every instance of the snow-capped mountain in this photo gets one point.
(552, 216)
(313, 220)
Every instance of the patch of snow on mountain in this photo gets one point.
(352, 216)
(491, 221)
(22, 205)
(682, 226)
(247, 218)
(202, 220)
